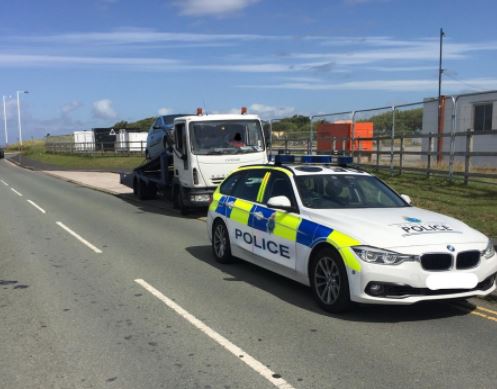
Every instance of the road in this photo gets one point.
(100, 292)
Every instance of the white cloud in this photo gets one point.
(212, 7)
(165, 111)
(71, 106)
(408, 85)
(102, 109)
(268, 111)
(34, 59)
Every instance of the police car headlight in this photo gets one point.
(489, 252)
(381, 256)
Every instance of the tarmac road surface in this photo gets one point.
(100, 292)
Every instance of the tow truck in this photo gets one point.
(201, 151)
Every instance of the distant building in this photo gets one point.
(476, 112)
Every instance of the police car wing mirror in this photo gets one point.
(280, 202)
(406, 198)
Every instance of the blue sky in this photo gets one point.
(91, 63)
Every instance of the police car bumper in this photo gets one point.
(408, 283)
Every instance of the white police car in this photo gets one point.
(347, 235)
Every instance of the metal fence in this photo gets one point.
(397, 141)
(97, 148)
(411, 153)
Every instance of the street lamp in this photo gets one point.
(5, 121)
(19, 114)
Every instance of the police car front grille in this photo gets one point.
(467, 259)
(436, 261)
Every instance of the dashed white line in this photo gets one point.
(78, 237)
(36, 206)
(16, 192)
(253, 363)
(3, 182)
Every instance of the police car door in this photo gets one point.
(240, 206)
(279, 239)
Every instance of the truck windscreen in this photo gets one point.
(226, 137)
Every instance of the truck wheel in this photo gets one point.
(143, 190)
(329, 282)
(174, 195)
(140, 189)
(151, 191)
(179, 201)
(221, 242)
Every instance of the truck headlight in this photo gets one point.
(382, 256)
(489, 252)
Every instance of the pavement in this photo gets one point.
(103, 181)
(100, 291)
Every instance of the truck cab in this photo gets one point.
(206, 148)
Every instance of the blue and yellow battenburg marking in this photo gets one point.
(284, 225)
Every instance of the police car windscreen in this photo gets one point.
(226, 137)
(346, 191)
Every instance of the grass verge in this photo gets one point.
(475, 203)
(35, 151)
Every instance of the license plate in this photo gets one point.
(452, 281)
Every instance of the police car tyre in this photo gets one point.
(329, 282)
(221, 242)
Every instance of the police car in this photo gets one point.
(346, 234)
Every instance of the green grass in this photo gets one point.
(36, 152)
(475, 203)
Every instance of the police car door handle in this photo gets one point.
(230, 204)
(258, 215)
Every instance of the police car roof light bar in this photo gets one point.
(281, 159)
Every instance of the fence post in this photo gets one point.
(467, 156)
(401, 153)
(358, 150)
(392, 139)
(334, 145)
(378, 149)
(286, 145)
(430, 141)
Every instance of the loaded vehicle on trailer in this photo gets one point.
(201, 151)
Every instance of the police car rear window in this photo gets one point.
(247, 187)
(228, 185)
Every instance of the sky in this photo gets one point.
(92, 63)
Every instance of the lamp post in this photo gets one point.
(19, 114)
(5, 122)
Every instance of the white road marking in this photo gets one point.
(36, 206)
(16, 192)
(82, 240)
(253, 363)
(3, 182)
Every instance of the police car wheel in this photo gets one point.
(329, 282)
(221, 243)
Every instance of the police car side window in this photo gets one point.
(279, 185)
(228, 185)
(248, 185)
